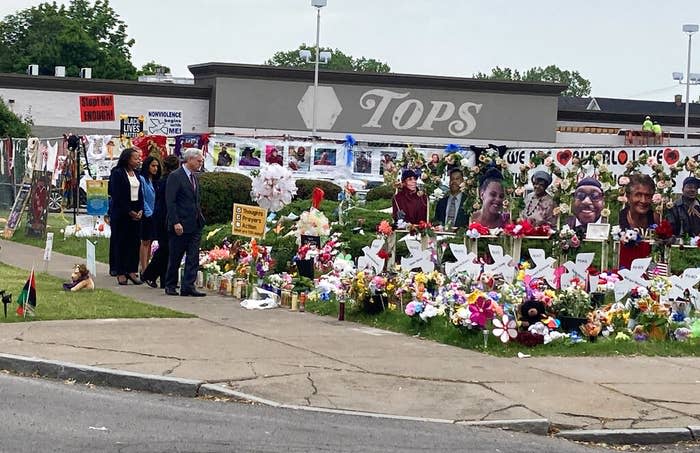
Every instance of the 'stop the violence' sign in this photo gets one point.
(98, 107)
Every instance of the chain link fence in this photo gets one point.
(13, 155)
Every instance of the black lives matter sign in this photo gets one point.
(130, 126)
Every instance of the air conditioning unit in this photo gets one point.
(33, 69)
(86, 73)
(60, 71)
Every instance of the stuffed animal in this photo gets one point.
(531, 312)
(81, 279)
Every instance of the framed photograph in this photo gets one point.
(598, 231)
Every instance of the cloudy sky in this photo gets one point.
(627, 49)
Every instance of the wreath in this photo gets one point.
(564, 188)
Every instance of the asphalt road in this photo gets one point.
(39, 415)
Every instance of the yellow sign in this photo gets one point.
(249, 220)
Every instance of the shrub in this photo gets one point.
(382, 192)
(220, 191)
(306, 186)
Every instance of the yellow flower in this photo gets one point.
(392, 307)
(474, 296)
(421, 278)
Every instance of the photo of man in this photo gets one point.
(325, 156)
(588, 203)
(363, 162)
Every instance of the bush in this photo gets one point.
(382, 192)
(220, 191)
(306, 186)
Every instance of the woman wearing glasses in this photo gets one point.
(588, 204)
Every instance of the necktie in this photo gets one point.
(194, 184)
(451, 211)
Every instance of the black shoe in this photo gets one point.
(171, 292)
(193, 293)
(151, 283)
(135, 281)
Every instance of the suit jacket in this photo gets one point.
(441, 211)
(119, 191)
(183, 202)
(160, 220)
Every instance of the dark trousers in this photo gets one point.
(158, 266)
(186, 244)
(124, 246)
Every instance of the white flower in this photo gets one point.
(564, 208)
(504, 328)
(464, 162)
(429, 311)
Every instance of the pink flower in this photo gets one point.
(651, 161)
(481, 311)
(575, 241)
(656, 199)
(410, 309)
(624, 180)
(548, 161)
(622, 199)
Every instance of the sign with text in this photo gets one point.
(249, 220)
(97, 198)
(98, 107)
(164, 122)
(130, 126)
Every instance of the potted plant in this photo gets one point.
(572, 307)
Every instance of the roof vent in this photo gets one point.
(86, 73)
(60, 71)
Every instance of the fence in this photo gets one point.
(12, 167)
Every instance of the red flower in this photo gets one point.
(664, 230)
(481, 229)
(383, 254)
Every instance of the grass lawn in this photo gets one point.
(439, 329)
(71, 246)
(55, 303)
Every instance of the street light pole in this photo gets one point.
(318, 4)
(690, 29)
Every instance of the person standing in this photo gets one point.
(684, 216)
(185, 223)
(125, 212)
(158, 266)
(150, 175)
(449, 210)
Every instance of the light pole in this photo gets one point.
(318, 4)
(690, 29)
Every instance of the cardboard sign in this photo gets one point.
(370, 257)
(579, 269)
(465, 262)
(164, 122)
(249, 220)
(419, 258)
(632, 277)
(15, 215)
(97, 198)
(98, 107)
(544, 267)
(502, 263)
(130, 126)
(48, 247)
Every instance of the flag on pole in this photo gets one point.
(27, 297)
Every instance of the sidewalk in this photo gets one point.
(308, 360)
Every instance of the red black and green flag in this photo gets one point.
(27, 298)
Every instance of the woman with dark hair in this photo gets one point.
(125, 212)
(159, 264)
(637, 214)
(492, 196)
(150, 174)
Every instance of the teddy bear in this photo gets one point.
(531, 312)
(80, 279)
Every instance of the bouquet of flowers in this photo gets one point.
(273, 187)
(475, 230)
(313, 223)
(630, 237)
(568, 240)
(573, 301)
(518, 229)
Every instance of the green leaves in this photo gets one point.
(578, 86)
(339, 61)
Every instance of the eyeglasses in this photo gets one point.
(594, 196)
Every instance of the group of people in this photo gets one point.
(156, 201)
(587, 206)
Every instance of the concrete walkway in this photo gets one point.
(308, 360)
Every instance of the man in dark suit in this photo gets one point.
(449, 210)
(185, 223)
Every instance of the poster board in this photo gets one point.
(249, 220)
(97, 198)
(15, 216)
(38, 205)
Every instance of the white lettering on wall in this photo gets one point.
(408, 114)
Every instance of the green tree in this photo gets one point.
(11, 125)
(339, 61)
(578, 86)
(152, 68)
(79, 35)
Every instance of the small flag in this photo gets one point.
(27, 297)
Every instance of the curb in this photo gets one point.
(642, 436)
(99, 376)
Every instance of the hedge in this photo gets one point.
(220, 191)
(383, 192)
(306, 186)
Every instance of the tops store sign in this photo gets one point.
(98, 107)
(398, 111)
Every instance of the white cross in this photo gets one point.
(502, 264)
(683, 282)
(544, 267)
(579, 269)
(632, 277)
(370, 258)
(419, 257)
(465, 262)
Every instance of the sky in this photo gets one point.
(627, 49)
